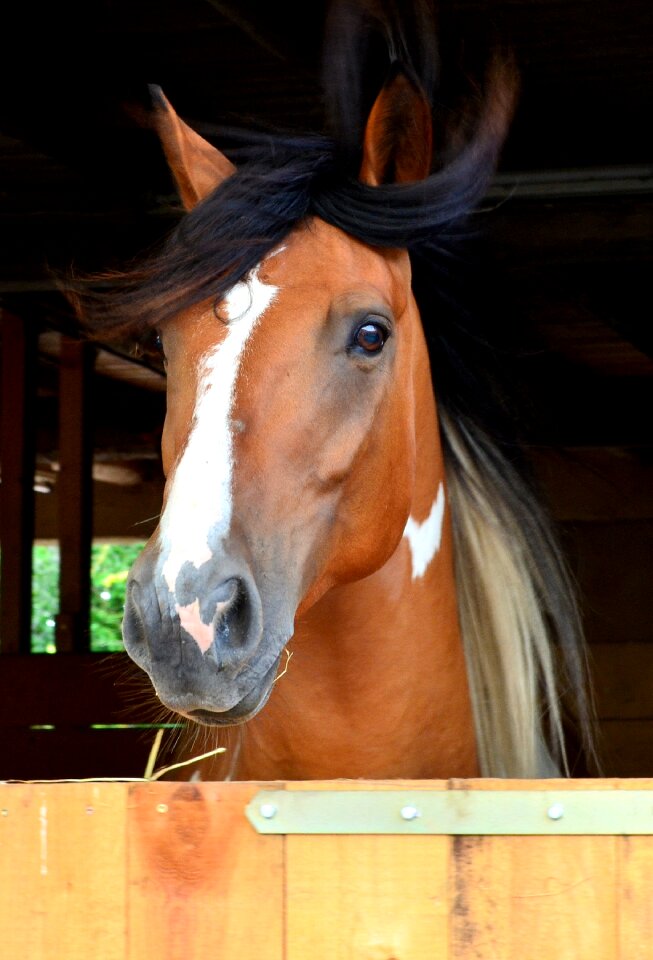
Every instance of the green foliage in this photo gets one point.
(110, 563)
(45, 597)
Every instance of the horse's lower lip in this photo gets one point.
(247, 708)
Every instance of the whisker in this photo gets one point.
(139, 523)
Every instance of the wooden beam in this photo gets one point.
(75, 490)
(75, 752)
(17, 451)
(595, 484)
(65, 690)
(119, 513)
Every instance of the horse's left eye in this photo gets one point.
(370, 337)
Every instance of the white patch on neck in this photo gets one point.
(424, 538)
(200, 499)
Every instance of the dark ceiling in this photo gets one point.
(81, 181)
(78, 178)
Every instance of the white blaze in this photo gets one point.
(424, 538)
(200, 499)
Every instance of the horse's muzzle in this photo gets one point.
(208, 658)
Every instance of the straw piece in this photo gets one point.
(185, 763)
(154, 752)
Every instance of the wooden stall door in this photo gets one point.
(119, 871)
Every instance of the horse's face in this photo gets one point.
(289, 443)
(289, 453)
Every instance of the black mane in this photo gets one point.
(283, 180)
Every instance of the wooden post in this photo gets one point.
(17, 453)
(75, 495)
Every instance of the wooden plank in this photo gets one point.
(622, 675)
(635, 898)
(62, 871)
(525, 898)
(596, 483)
(17, 452)
(74, 493)
(202, 882)
(613, 563)
(576, 231)
(75, 688)
(372, 897)
(626, 747)
(75, 753)
(119, 512)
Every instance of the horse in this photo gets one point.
(348, 569)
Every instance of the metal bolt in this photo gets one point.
(556, 811)
(409, 812)
(268, 810)
(90, 810)
(5, 813)
(162, 808)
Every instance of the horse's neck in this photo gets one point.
(377, 684)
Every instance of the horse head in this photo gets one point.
(289, 443)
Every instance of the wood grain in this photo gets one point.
(62, 871)
(202, 882)
(533, 897)
(635, 898)
(369, 898)
(536, 897)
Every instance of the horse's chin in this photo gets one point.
(244, 710)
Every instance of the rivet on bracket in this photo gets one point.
(556, 811)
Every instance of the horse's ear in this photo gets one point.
(197, 166)
(398, 135)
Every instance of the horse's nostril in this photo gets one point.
(133, 620)
(222, 601)
(219, 617)
(133, 624)
(221, 614)
(228, 593)
(231, 612)
(236, 620)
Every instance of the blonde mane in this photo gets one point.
(520, 625)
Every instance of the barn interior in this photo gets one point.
(567, 251)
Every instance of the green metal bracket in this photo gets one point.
(477, 812)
